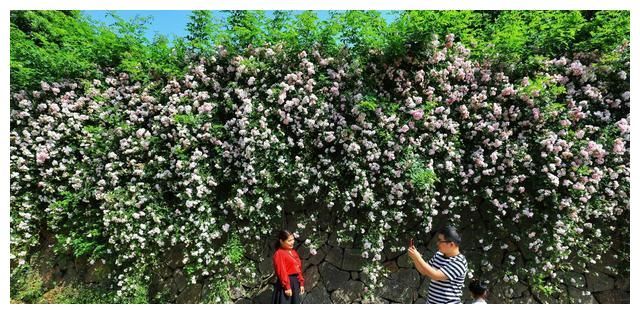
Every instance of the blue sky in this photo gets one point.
(173, 23)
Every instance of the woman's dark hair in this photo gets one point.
(478, 287)
(282, 235)
(450, 234)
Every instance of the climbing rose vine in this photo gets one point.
(124, 173)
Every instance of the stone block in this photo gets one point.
(353, 260)
(180, 279)
(580, 296)
(404, 261)
(350, 292)
(264, 297)
(266, 266)
(401, 287)
(573, 279)
(311, 277)
(612, 297)
(174, 257)
(236, 293)
(318, 258)
(597, 282)
(190, 295)
(317, 295)
(334, 256)
(333, 277)
(391, 266)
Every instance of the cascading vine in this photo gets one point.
(122, 173)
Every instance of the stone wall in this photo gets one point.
(334, 275)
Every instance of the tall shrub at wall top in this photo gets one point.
(124, 173)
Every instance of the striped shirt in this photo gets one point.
(450, 290)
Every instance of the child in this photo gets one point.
(479, 291)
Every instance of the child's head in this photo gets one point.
(478, 289)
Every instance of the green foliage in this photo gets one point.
(57, 45)
(368, 104)
(201, 30)
(412, 31)
(51, 45)
(61, 45)
(422, 177)
(234, 249)
(362, 30)
(83, 244)
(606, 31)
(244, 28)
(26, 285)
(187, 119)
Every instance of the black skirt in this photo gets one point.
(278, 292)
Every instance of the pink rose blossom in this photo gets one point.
(417, 114)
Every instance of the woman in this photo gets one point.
(288, 268)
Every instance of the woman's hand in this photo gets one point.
(302, 290)
(413, 253)
(288, 292)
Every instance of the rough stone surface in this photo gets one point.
(180, 279)
(191, 294)
(165, 272)
(266, 266)
(350, 292)
(611, 297)
(401, 287)
(391, 266)
(174, 257)
(403, 261)
(311, 277)
(623, 284)
(579, 296)
(265, 297)
(236, 293)
(525, 300)
(424, 287)
(333, 277)
(573, 279)
(318, 295)
(597, 282)
(334, 256)
(96, 273)
(353, 260)
(319, 257)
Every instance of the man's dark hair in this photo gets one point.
(450, 234)
(478, 288)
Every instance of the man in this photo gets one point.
(446, 269)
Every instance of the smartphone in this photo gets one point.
(411, 243)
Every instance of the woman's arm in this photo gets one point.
(281, 270)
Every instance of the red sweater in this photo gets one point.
(286, 264)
